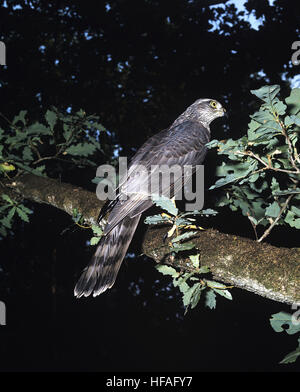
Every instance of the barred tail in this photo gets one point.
(104, 266)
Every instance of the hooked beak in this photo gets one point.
(222, 112)
(225, 113)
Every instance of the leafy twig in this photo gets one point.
(283, 208)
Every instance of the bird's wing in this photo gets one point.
(181, 145)
(169, 146)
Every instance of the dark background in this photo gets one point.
(137, 64)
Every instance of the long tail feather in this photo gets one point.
(102, 271)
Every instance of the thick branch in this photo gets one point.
(257, 267)
(63, 196)
(260, 268)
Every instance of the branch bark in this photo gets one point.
(266, 270)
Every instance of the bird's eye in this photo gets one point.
(213, 104)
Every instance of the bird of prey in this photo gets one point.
(183, 143)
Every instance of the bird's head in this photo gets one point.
(204, 110)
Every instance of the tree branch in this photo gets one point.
(260, 268)
(63, 196)
(208, 3)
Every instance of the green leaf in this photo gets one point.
(11, 213)
(181, 283)
(94, 240)
(212, 143)
(296, 211)
(240, 170)
(294, 101)
(167, 270)
(210, 299)
(192, 295)
(275, 186)
(215, 285)
(67, 132)
(265, 132)
(292, 357)
(5, 221)
(166, 204)
(156, 219)
(223, 181)
(203, 270)
(278, 320)
(195, 260)
(273, 210)
(181, 247)
(291, 219)
(51, 118)
(7, 198)
(253, 220)
(288, 121)
(99, 126)
(223, 293)
(295, 119)
(6, 167)
(262, 117)
(22, 214)
(267, 93)
(81, 113)
(25, 209)
(252, 126)
(188, 294)
(253, 177)
(97, 230)
(81, 149)
(258, 210)
(38, 129)
(27, 154)
(3, 208)
(37, 171)
(219, 288)
(196, 295)
(3, 230)
(20, 117)
(183, 222)
(279, 107)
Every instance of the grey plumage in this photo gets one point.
(183, 143)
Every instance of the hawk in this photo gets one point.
(183, 143)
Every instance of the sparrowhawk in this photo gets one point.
(183, 143)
